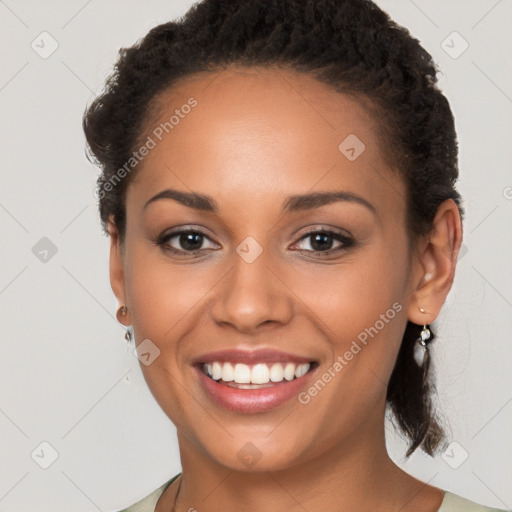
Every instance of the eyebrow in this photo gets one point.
(293, 203)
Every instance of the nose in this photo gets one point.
(251, 295)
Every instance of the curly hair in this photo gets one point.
(351, 45)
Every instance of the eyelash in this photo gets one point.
(346, 240)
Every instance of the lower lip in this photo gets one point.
(252, 400)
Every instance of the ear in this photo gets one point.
(117, 269)
(435, 262)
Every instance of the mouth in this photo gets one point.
(255, 376)
(254, 387)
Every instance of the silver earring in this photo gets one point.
(128, 335)
(421, 346)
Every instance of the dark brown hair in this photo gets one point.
(351, 45)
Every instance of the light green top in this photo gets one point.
(451, 502)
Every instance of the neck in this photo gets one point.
(356, 474)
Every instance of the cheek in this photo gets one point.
(360, 312)
(360, 309)
(165, 301)
(164, 297)
(353, 295)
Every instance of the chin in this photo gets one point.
(257, 452)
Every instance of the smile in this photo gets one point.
(253, 388)
(246, 376)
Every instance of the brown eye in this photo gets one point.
(189, 241)
(322, 241)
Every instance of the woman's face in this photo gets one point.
(255, 142)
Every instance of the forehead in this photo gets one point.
(259, 131)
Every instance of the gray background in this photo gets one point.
(66, 376)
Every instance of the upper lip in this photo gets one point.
(249, 356)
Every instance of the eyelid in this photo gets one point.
(163, 239)
(322, 228)
(345, 238)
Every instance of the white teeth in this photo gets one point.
(216, 371)
(260, 373)
(289, 371)
(242, 374)
(227, 372)
(277, 372)
(301, 370)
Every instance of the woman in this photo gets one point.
(278, 185)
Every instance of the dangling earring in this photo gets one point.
(421, 346)
(122, 312)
